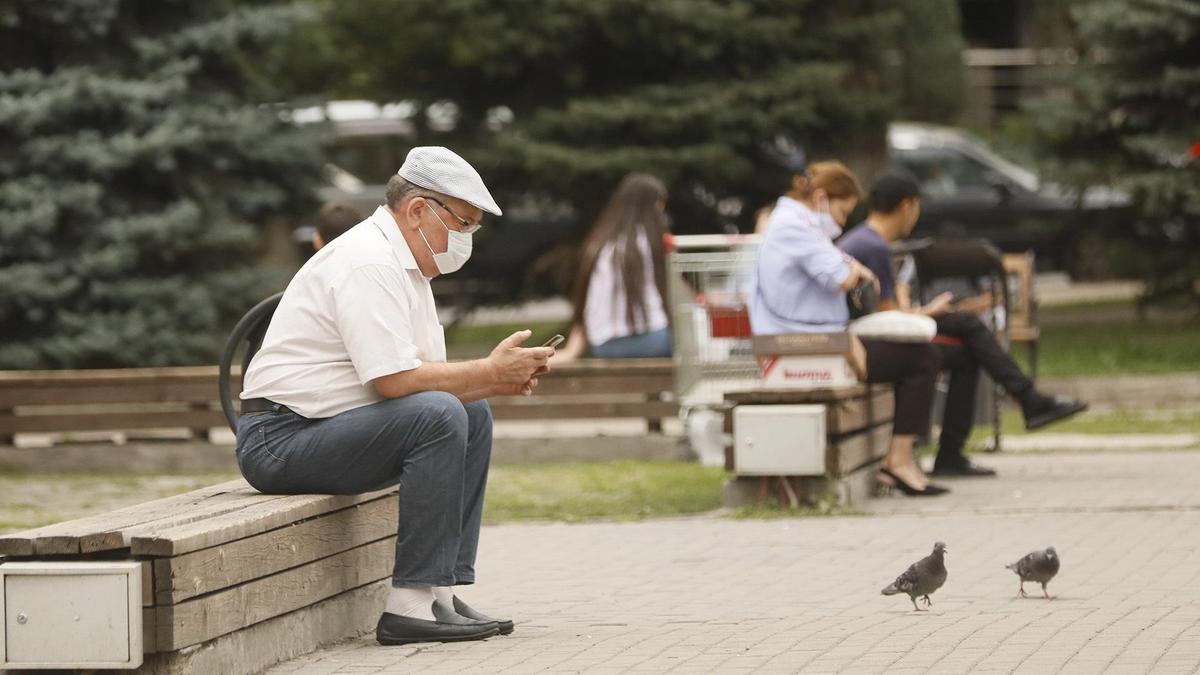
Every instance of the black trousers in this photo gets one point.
(979, 349)
(913, 369)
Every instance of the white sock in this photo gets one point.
(412, 601)
(444, 595)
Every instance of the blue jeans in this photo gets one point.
(643, 345)
(433, 446)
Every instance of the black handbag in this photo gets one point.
(862, 300)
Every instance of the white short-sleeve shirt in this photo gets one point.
(358, 309)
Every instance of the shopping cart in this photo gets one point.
(709, 279)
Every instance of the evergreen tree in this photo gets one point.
(138, 164)
(691, 90)
(931, 45)
(1133, 120)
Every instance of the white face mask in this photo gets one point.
(458, 249)
(826, 223)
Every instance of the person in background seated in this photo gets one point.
(332, 221)
(895, 204)
(619, 295)
(800, 286)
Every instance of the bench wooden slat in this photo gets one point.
(528, 408)
(857, 451)
(182, 537)
(100, 421)
(109, 376)
(204, 618)
(60, 393)
(216, 506)
(120, 537)
(785, 396)
(604, 367)
(556, 384)
(851, 414)
(204, 571)
(22, 543)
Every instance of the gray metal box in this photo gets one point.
(779, 440)
(71, 615)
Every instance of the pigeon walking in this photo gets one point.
(1039, 566)
(922, 577)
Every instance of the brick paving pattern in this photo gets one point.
(713, 594)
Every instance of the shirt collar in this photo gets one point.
(797, 208)
(382, 218)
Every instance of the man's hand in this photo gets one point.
(939, 305)
(978, 303)
(515, 366)
(523, 389)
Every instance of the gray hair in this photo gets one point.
(400, 190)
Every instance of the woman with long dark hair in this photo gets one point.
(619, 293)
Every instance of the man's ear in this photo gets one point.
(799, 182)
(412, 210)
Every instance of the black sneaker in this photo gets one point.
(1044, 410)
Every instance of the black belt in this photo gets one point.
(262, 405)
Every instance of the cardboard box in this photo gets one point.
(810, 360)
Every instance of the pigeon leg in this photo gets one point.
(925, 599)
(1045, 592)
(1021, 591)
(913, 599)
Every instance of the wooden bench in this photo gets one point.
(858, 425)
(1022, 305)
(234, 581)
(187, 398)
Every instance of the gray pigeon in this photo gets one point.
(1039, 566)
(922, 577)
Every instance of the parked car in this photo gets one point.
(970, 191)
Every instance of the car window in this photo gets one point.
(947, 173)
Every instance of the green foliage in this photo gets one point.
(1133, 114)
(138, 163)
(933, 75)
(687, 89)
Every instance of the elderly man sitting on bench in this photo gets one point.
(895, 204)
(351, 391)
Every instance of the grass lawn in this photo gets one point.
(1118, 346)
(1126, 421)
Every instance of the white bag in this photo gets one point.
(894, 326)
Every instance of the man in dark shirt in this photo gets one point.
(895, 204)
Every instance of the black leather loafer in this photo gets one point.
(505, 625)
(394, 629)
(1052, 410)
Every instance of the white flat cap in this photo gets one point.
(441, 170)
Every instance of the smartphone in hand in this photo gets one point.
(554, 341)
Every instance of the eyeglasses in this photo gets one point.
(467, 226)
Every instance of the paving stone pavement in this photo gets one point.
(720, 595)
